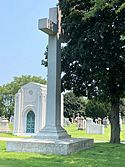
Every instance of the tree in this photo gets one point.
(73, 105)
(122, 107)
(8, 91)
(93, 61)
(14, 86)
(2, 107)
(96, 109)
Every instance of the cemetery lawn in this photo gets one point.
(75, 133)
(101, 155)
(10, 135)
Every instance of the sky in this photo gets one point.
(22, 45)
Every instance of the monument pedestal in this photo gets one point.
(55, 133)
(60, 147)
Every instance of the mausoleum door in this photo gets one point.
(30, 124)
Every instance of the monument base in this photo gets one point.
(60, 147)
(54, 133)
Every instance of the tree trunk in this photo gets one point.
(115, 126)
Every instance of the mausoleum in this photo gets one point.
(30, 109)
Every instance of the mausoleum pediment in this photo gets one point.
(33, 84)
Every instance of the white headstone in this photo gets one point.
(89, 120)
(105, 122)
(81, 123)
(66, 121)
(95, 129)
(11, 119)
(4, 125)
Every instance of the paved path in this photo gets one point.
(9, 139)
(30, 139)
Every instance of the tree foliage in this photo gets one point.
(95, 109)
(88, 108)
(93, 60)
(73, 105)
(2, 107)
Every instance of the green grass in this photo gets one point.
(101, 155)
(74, 132)
(11, 127)
(10, 135)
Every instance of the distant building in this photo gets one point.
(30, 109)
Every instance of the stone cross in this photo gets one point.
(51, 26)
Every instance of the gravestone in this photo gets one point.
(78, 116)
(93, 128)
(66, 122)
(123, 119)
(96, 121)
(99, 121)
(52, 139)
(81, 123)
(89, 120)
(4, 125)
(105, 122)
(73, 118)
(11, 119)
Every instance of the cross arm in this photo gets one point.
(47, 26)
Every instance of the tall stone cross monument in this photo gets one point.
(52, 138)
(51, 26)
